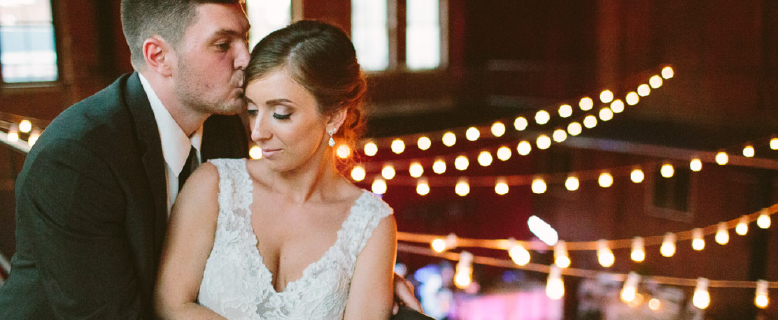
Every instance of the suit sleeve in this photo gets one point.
(76, 209)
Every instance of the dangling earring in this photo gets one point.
(332, 141)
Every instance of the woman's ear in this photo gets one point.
(336, 119)
(159, 55)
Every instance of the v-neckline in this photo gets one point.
(307, 269)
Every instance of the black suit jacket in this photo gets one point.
(91, 208)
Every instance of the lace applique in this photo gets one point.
(237, 285)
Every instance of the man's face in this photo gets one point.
(212, 57)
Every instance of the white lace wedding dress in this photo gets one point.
(237, 285)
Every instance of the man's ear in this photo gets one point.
(159, 55)
(336, 119)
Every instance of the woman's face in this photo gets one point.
(285, 121)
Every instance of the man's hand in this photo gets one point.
(403, 295)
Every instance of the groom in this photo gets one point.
(95, 190)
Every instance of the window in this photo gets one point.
(267, 16)
(370, 33)
(422, 40)
(27, 52)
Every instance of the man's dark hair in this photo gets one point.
(142, 19)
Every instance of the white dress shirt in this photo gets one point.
(175, 143)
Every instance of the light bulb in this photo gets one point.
(379, 186)
(572, 183)
(762, 299)
(742, 226)
(722, 233)
(574, 128)
(606, 114)
(559, 135)
(439, 245)
(462, 188)
(371, 149)
(524, 148)
(449, 139)
(586, 104)
(555, 287)
(638, 250)
(748, 151)
(655, 82)
(764, 219)
(416, 170)
(462, 280)
(461, 163)
(561, 259)
(542, 117)
(504, 153)
(630, 288)
(255, 152)
(667, 72)
(398, 146)
(25, 126)
(343, 151)
(637, 176)
(439, 166)
(722, 158)
(667, 170)
(698, 242)
(424, 143)
(644, 90)
(388, 172)
(695, 165)
(543, 142)
(617, 106)
(501, 186)
(464, 270)
(33, 138)
(604, 254)
(519, 255)
(498, 129)
(605, 180)
(13, 135)
(485, 158)
(565, 111)
(774, 143)
(632, 98)
(606, 96)
(701, 298)
(654, 304)
(472, 134)
(422, 187)
(538, 185)
(358, 173)
(668, 245)
(590, 121)
(520, 123)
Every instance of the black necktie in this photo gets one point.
(190, 164)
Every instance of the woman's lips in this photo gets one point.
(267, 153)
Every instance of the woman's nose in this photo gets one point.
(258, 131)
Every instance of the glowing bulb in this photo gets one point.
(637, 176)
(572, 183)
(667, 72)
(561, 259)
(605, 180)
(519, 255)
(574, 128)
(472, 134)
(398, 146)
(422, 187)
(644, 90)
(25, 126)
(424, 143)
(722, 233)
(698, 242)
(629, 291)
(667, 170)
(654, 304)
(606, 96)
(416, 170)
(439, 166)
(559, 135)
(668, 245)
(742, 226)
(606, 114)
(764, 219)
(371, 149)
(761, 300)
(343, 151)
(13, 136)
(586, 104)
(555, 287)
(501, 187)
(538, 185)
(617, 106)
(461, 163)
(379, 186)
(590, 121)
(439, 245)
(748, 151)
(604, 254)
(632, 98)
(462, 188)
(701, 298)
(503, 153)
(542, 117)
(655, 82)
(524, 148)
(255, 152)
(774, 143)
(695, 165)
(462, 280)
(485, 158)
(543, 142)
(638, 250)
(358, 173)
(33, 138)
(565, 111)
(722, 158)
(449, 139)
(498, 129)
(520, 123)
(388, 172)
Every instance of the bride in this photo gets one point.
(285, 236)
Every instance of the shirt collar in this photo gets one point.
(175, 143)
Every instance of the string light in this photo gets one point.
(561, 259)
(25, 126)
(722, 158)
(742, 226)
(590, 121)
(617, 106)
(504, 153)
(701, 298)
(343, 151)
(606, 96)
(255, 152)
(667, 72)
(606, 114)
(559, 135)
(518, 253)
(449, 139)
(524, 148)
(774, 143)
(586, 104)
(472, 134)
(370, 149)
(542, 117)
(555, 287)
(388, 172)
(498, 129)
(630, 288)
(461, 163)
(440, 245)
(439, 166)
(544, 231)
(520, 123)
(464, 270)
(644, 90)
(667, 170)
(748, 151)
(698, 242)
(13, 133)
(764, 219)
(485, 158)
(565, 111)
(638, 250)
(604, 254)
(695, 165)
(33, 138)
(722, 233)
(574, 128)
(632, 98)
(398, 146)
(655, 82)
(424, 143)
(654, 304)
(605, 180)
(572, 183)
(762, 299)
(416, 170)
(379, 186)
(358, 173)
(462, 188)
(668, 245)
(637, 175)
(543, 142)
(422, 186)
(501, 187)
(538, 185)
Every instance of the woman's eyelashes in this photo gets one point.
(282, 116)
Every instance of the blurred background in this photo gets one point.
(593, 101)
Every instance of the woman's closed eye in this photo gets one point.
(282, 116)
